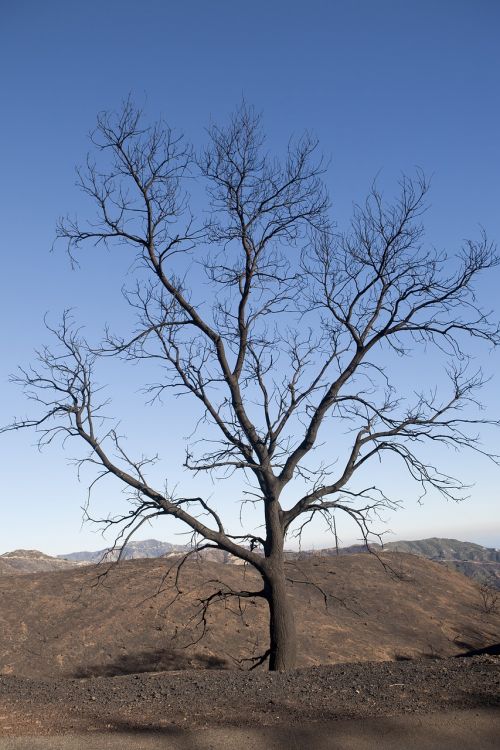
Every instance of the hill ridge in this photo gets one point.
(471, 559)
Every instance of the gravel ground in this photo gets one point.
(212, 698)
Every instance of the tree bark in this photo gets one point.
(282, 633)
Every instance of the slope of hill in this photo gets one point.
(434, 548)
(78, 623)
(446, 549)
(477, 562)
(30, 561)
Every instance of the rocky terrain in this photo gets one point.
(199, 699)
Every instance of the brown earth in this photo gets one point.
(82, 655)
(31, 561)
(74, 624)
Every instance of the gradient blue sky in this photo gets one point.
(384, 84)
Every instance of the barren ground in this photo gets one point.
(230, 698)
(72, 624)
(80, 656)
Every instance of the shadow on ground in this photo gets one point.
(492, 650)
(151, 660)
(468, 730)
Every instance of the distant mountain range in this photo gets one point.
(133, 551)
(473, 560)
(433, 549)
(446, 549)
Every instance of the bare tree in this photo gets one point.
(288, 342)
(489, 596)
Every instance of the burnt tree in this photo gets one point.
(287, 344)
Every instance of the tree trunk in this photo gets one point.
(282, 634)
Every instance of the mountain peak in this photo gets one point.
(31, 554)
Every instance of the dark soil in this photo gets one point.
(202, 698)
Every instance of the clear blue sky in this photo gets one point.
(384, 84)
